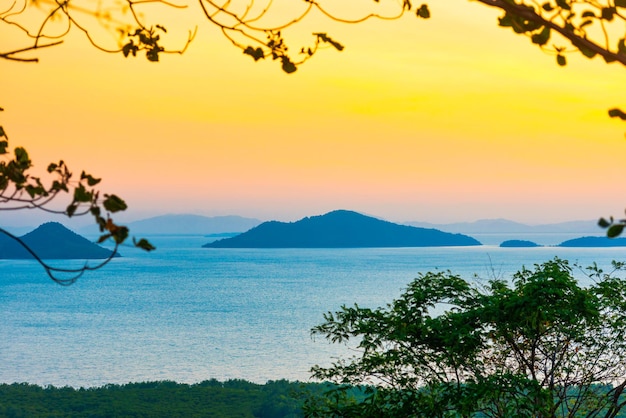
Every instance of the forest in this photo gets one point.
(210, 398)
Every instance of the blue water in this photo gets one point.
(188, 314)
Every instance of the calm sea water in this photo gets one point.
(188, 314)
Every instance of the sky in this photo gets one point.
(442, 120)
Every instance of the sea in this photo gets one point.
(187, 314)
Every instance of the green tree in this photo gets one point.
(541, 346)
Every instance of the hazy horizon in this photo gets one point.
(442, 120)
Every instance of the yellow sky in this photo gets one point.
(449, 119)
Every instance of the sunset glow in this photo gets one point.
(441, 120)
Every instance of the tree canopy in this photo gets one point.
(540, 346)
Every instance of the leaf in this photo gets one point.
(144, 244)
(542, 37)
(563, 4)
(615, 230)
(21, 156)
(423, 12)
(82, 195)
(603, 223)
(257, 53)
(608, 13)
(103, 238)
(621, 46)
(2, 133)
(505, 21)
(113, 203)
(325, 38)
(3, 147)
(91, 181)
(288, 66)
(71, 209)
(617, 113)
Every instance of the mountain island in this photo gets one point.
(341, 229)
(52, 241)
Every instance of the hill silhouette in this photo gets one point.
(594, 242)
(518, 243)
(52, 241)
(340, 229)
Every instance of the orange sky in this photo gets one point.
(449, 119)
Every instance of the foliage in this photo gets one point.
(258, 27)
(211, 398)
(540, 346)
(19, 190)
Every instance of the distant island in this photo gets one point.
(594, 242)
(341, 229)
(518, 243)
(499, 226)
(52, 241)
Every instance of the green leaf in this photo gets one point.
(542, 37)
(71, 209)
(103, 238)
(603, 223)
(82, 195)
(617, 113)
(423, 12)
(615, 230)
(3, 147)
(21, 156)
(91, 181)
(144, 244)
(120, 234)
(113, 203)
(560, 59)
(2, 133)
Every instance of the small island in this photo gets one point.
(341, 229)
(518, 243)
(52, 241)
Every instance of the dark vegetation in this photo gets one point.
(341, 229)
(539, 345)
(211, 398)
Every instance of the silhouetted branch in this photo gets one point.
(52, 271)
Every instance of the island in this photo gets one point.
(52, 241)
(594, 242)
(518, 243)
(341, 229)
